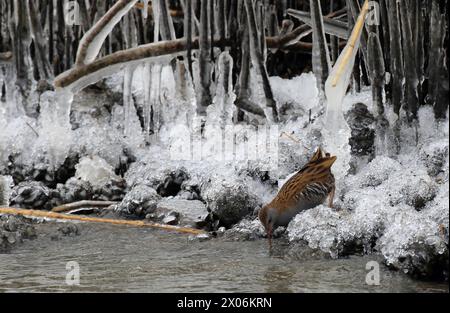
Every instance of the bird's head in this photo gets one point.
(267, 216)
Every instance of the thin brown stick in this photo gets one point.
(83, 204)
(60, 216)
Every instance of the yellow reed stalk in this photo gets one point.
(60, 216)
(356, 33)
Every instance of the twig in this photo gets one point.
(82, 204)
(60, 216)
(357, 30)
(32, 129)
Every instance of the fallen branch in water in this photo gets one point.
(61, 216)
(83, 204)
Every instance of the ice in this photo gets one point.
(220, 113)
(299, 92)
(147, 81)
(412, 242)
(54, 134)
(95, 170)
(95, 46)
(128, 102)
(132, 127)
(320, 55)
(391, 206)
(336, 131)
(157, 20)
(6, 183)
(145, 9)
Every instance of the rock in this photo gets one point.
(245, 230)
(70, 230)
(171, 219)
(165, 177)
(31, 195)
(186, 195)
(192, 212)
(230, 198)
(113, 190)
(75, 190)
(13, 229)
(361, 123)
(139, 202)
(362, 139)
(171, 184)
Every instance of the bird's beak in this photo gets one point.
(269, 234)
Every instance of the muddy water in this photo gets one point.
(122, 259)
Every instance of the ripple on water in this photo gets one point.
(114, 259)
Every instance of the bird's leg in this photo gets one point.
(331, 197)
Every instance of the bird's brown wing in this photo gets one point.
(312, 182)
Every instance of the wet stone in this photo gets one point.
(191, 212)
(138, 202)
(13, 229)
(69, 230)
(31, 195)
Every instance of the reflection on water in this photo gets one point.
(116, 259)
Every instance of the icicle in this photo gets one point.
(156, 99)
(396, 58)
(410, 68)
(166, 28)
(145, 9)
(128, 100)
(204, 96)
(259, 64)
(156, 18)
(147, 79)
(55, 133)
(376, 67)
(336, 131)
(224, 98)
(320, 54)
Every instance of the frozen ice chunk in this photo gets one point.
(415, 245)
(96, 171)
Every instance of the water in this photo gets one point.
(122, 259)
